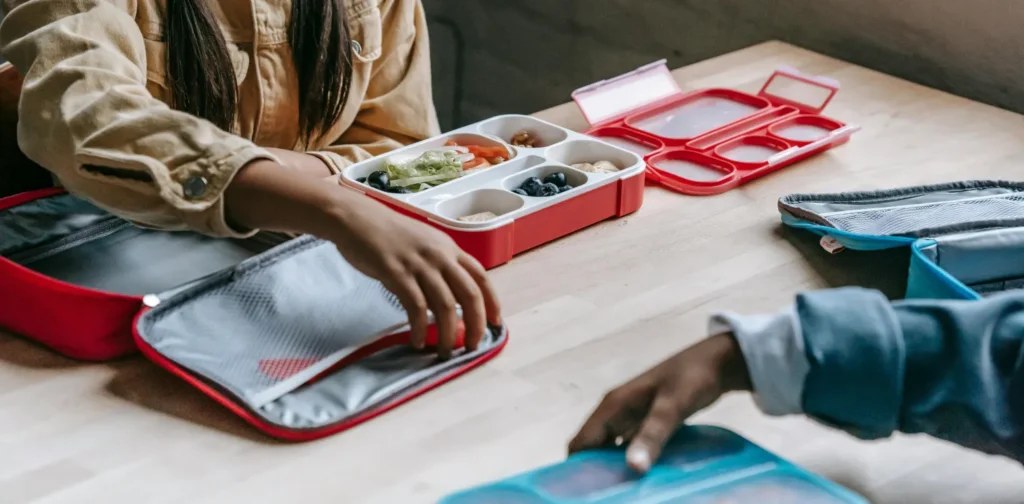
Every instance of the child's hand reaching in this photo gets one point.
(647, 410)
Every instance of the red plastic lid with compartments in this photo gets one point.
(709, 141)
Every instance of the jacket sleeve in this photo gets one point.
(951, 369)
(399, 107)
(86, 116)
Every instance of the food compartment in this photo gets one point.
(497, 494)
(429, 199)
(479, 205)
(591, 156)
(695, 114)
(429, 164)
(766, 488)
(585, 480)
(692, 167)
(748, 125)
(803, 129)
(524, 132)
(627, 139)
(545, 181)
(750, 151)
(693, 447)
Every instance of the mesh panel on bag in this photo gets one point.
(253, 333)
(998, 287)
(910, 220)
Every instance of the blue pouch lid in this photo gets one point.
(699, 464)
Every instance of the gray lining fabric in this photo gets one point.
(924, 211)
(46, 220)
(71, 240)
(251, 327)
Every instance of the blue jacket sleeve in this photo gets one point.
(951, 369)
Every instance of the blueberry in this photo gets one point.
(380, 179)
(548, 190)
(520, 192)
(564, 188)
(361, 180)
(376, 186)
(557, 178)
(398, 190)
(531, 186)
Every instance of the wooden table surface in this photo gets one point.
(586, 313)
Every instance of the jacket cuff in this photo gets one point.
(203, 192)
(773, 348)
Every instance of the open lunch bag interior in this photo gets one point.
(282, 331)
(966, 238)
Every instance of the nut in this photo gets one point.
(523, 138)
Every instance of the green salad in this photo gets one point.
(429, 169)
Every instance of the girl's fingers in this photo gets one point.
(442, 303)
(469, 297)
(415, 303)
(490, 297)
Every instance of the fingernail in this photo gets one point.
(639, 458)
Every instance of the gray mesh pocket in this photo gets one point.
(912, 220)
(917, 211)
(273, 319)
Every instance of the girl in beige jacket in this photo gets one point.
(225, 117)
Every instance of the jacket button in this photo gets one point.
(195, 187)
(357, 47)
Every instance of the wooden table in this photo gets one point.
(586, 313)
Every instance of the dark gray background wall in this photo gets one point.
(525, 55)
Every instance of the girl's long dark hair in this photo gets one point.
(202, 79)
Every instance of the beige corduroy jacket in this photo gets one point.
(94, 106)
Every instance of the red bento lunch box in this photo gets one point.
(710, 141)
(702, 142)
(520, 223)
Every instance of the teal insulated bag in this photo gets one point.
(966, 239)
(701, 464)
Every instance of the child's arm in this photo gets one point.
(849, 357)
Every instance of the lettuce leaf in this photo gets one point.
(429, 169)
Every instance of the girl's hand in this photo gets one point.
(420, 265)
(647, 410)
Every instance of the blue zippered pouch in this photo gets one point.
(966, 239)
(700, 465)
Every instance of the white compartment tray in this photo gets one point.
(489, 190)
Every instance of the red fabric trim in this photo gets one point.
(75, 321)
(25, 197)
(304, 434)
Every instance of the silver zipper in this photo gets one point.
(96, 231)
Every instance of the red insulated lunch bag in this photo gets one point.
(282, 331)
